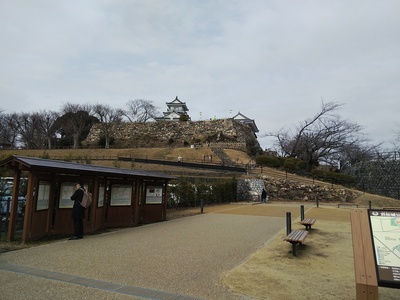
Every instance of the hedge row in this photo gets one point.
(299, 166)
(185, 192)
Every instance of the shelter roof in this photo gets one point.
(47, 165)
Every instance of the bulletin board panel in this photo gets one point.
(66, 191)
(154, 194)
(100, 202)
(43, 195)
(121, 195)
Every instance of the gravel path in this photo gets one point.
(182, 257)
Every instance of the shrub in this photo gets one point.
(68, 157)
(102, 141)
(45, 155)
(289, 164)
(294, 164)
(302, 165)
(337, 178)
(184, 118)
(183, 191)
(189, 194)
(269, 161)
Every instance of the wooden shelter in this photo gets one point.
(121, 197)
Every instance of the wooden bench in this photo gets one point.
(296, 237)
(308, 223)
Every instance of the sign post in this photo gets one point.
(365, 274)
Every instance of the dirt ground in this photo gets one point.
(323, 269)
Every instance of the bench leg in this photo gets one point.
(294, 249)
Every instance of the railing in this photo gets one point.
(194, 165)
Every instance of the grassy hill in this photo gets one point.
(109, 157)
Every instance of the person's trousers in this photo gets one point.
(78, 227)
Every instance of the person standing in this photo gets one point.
(78, 211)
(264, 196)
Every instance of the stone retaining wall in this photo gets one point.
(178, 134)
(249, 189)
(284, 189)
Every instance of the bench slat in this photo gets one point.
(296, 236)
(308, 221)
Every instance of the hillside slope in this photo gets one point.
(109, 157)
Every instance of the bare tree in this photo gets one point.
(46, 125)
(320, 137)
(28, 126)
(349, 155)
(8, 130)
(108, 117)
(140, 110)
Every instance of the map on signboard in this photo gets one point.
(385, 227)
(386, 232)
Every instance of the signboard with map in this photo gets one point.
(121, 195)
(66, 191)
(385, 229)
(154, 195)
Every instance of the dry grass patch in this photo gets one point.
(323, 269)
(376, 201)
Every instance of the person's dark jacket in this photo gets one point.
(78, 211)
(264, 194)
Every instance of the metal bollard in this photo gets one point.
(302, 212)
(288, 222)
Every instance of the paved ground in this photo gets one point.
(178, 259)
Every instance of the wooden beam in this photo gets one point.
(29, 208)
(14, 206)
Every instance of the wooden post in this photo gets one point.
(364, 262)
(29, 208)
(14, 206)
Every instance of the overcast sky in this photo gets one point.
(274, 61)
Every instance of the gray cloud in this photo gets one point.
(272, 60)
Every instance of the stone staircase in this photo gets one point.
(225, 159)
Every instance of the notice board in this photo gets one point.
(385, 231)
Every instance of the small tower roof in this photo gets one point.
(177, 103)
(241, 118)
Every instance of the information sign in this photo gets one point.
(385, 229)
(43, 195)
(154, 195)
(66, 191)
(121, 195)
